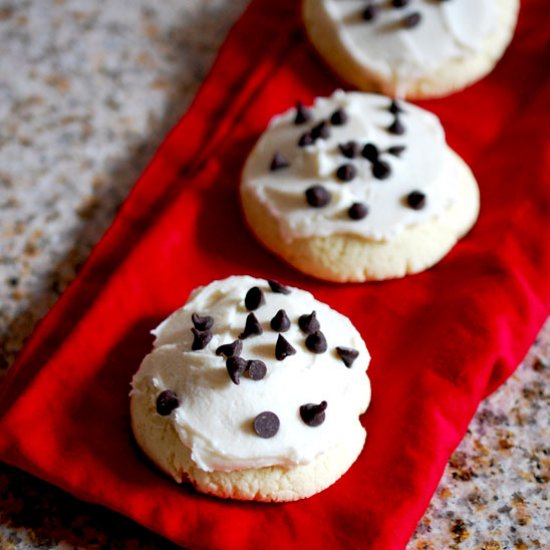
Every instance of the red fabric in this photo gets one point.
(440, 340)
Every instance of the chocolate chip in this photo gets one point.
(399, 3)
(348, 355)
(416, 200)
(316, 342)
(266, 424)
(281, 322)
(278, 288)
(381, 170)
(202, 323)
(313, 415)
(309, 323)
(254, 298)
(412, 20)
(317, 196)
(302, 114)
(256, 369)
(278, 162)
(235, 368)
(370, 12)
(167, 401)
(252, 327)
(370, 152)
(358, 210)
(350, 149)
(283, 348)
(395, 108)
(396, 150)
(306, 139)
(339, 117)
(321, 130)
(200, 338)
(346, 172)
(230, 350)
(396, 127)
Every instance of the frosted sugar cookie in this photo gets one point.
(411, 48)
(253, 391)
(358, 187)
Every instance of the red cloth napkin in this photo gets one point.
(440, 340)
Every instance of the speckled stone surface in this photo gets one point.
(88, 88)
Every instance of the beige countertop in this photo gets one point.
(87, 91)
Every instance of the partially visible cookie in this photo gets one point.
(411, 48)
(358, 187)
(253, 391)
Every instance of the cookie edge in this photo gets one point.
(350, 258)
(268, 484)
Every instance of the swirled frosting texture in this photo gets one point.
(424, 165)
(454, 29)
(215, 416)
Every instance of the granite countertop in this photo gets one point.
(88, 89)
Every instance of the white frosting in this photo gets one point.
(215, 416)
(425, 166)
(452, 29)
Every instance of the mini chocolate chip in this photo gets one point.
(370, 152)
(350, 149)
(200, 338)
(396, 127)
(348, 355)
(316, 342)
(321, 130)
(306, 139)
(266, 424)
(167, 401)
(202, 323)
(281, 322)
(370, 12)
(252, 327)
(235, 368)
(396, 150)
(313, 415)
(381, 170)
(317, 196)
(395, 108)
(278, 162)
(302, 114)
(254, 298)
(416, 200)
(412, 20)
(358, 210)
(256, 369)
(339, 117)
(230, 350)
(278, 288)
(309, 323)
(399, 3)
(283, 348)
(346, 172)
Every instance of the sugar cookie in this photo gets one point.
(253, 391)
(358, 187)
(411, 48)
